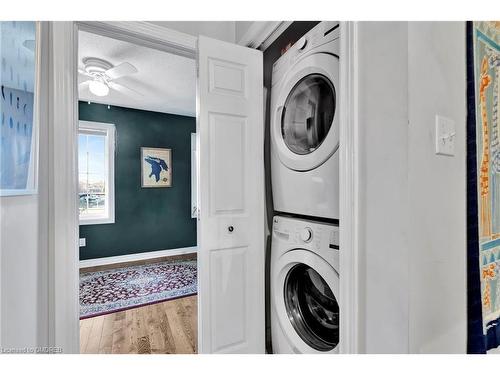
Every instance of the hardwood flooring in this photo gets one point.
(168, 327)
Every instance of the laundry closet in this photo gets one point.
(303, 166)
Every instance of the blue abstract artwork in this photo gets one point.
(17, 133)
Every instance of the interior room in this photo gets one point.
(250, 187)
(137, 198)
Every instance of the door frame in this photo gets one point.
(64, 330)
(64, 327)
(351, 302)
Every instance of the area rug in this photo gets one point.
(109, 291)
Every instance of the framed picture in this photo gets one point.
(19, 107)
(156, 166)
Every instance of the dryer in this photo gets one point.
(305, 125)
(304, 286)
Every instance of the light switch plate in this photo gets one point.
(83, 242)
(445, 136)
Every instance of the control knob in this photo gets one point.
(306, 234)
(302, 43)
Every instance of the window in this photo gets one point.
(194, 188)
(96, 150)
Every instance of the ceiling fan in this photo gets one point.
(101, 75)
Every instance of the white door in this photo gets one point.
(231, 199)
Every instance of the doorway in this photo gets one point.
(137, 198)
(230, 186)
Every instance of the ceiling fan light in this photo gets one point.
(98, 88)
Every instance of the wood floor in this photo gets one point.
(168, 327)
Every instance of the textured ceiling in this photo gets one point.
(166, 82)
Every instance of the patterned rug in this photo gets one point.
(104, 292)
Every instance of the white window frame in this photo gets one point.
(194, 179)
(109, 159)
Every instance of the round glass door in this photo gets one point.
(312, 307)
(308, 114)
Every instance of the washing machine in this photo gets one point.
(305, 125)
(304, 284)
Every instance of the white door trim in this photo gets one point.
(145, 34)
(63, 209)
(261, 34)
(63, 185)
(350, 267)
(274, 35)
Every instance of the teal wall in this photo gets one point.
(146, 219)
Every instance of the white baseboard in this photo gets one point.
(136, 257)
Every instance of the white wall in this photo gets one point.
(437, 188)
(19, 237)
(383, 118)
(222, 30)
(24, 252)
(413, 202)
(241, 27)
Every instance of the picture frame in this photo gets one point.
(19, 175)
(156, 167)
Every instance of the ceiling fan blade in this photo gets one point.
(124, 69)
(123, 89)
(81, 71)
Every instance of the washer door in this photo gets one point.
(308, 307)
(305, 124)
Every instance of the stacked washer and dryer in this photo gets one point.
(304, 278)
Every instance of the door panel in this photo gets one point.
(231, 199)
(227, 77)
(229, 271)
(227, 159)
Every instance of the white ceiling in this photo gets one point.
(166, 82)
(222, 30)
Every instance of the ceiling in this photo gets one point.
(164, 82)
(222, 30)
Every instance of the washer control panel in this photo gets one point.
(306, 233)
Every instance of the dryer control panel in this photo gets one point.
(322, 33)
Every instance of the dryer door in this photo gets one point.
(308, 307)
(305, 124)
(308, 114)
